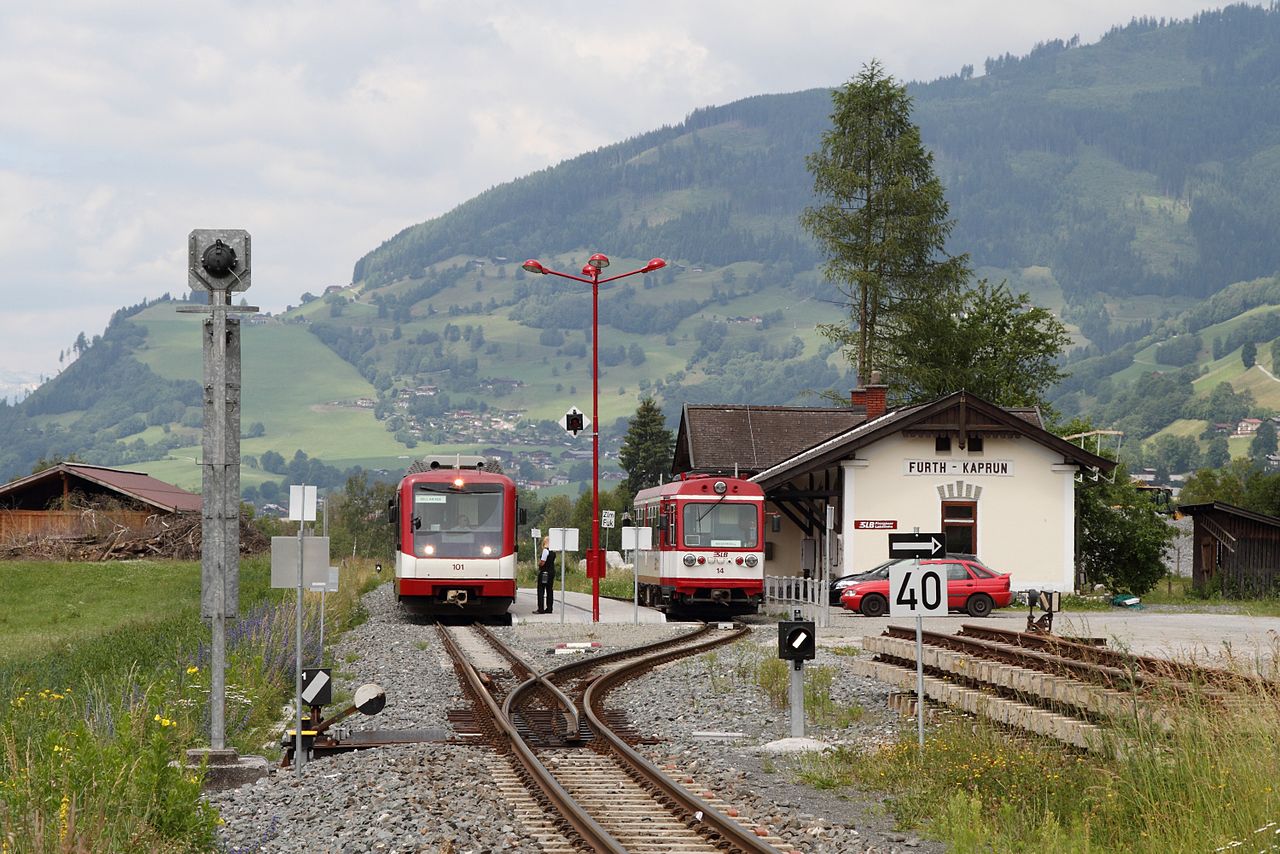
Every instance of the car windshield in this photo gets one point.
(457, 523)
(723, 525)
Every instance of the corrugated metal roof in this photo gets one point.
(136, 485)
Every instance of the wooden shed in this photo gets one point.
(1235, 551)
(74, 499)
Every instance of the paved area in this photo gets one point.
(578, 610)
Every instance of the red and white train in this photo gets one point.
(708, 549)
(455, 528)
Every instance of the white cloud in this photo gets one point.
(326, 127)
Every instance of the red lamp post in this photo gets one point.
(591, 276)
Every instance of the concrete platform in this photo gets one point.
(576, 608)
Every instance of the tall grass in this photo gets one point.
(88, 731)
(1212, 780)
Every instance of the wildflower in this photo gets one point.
(192, 670)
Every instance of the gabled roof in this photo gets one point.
(959, 413)
(752, 438)
(38, 487)
(1229, 509)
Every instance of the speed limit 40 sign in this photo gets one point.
(918, 590)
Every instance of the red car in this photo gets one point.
(971, 587)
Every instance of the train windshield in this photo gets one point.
(721, 525)
(448, 522)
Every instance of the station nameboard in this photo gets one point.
(966, 468)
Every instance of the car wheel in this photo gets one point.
(979, 605)
(874, 605)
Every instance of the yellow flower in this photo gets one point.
(157, 717)
(192, 669)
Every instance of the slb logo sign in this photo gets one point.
(917, 591)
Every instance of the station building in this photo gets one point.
(994, 480)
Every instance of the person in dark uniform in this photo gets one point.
(546, 574)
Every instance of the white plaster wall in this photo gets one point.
(1025, 520)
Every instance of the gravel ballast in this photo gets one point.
(715, 722)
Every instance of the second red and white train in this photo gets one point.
(708, 545)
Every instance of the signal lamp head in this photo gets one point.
(219, 260)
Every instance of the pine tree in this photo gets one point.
(646, 449)
(883, 223)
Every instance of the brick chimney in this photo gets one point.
(872, 396)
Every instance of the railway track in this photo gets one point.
(1069, 691)
(572, 771)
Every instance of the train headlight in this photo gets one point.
(428, 550)
(721, 487)
(690, 560)
(486, 551)
(752, 560)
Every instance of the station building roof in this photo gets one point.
(43, 489)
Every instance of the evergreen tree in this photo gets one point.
(1218, 453)
(1264, 442)
(646, 449)
(1249, 354)
(883, 224)
(1275, 355)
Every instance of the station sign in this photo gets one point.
(875, 524)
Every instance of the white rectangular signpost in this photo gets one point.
(917, 590)
(302, 509)
(636, 539)
(563, 540)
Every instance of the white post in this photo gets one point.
(562, 585)
(297, 745)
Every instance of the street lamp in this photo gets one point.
(591, 275)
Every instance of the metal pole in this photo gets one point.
(562, 583)
(919, 673)
(218, 469)
(320, 660)
(797, 698)
(297, 744)
(635, 589)
(593, 561)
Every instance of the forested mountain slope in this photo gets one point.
(1121, 183)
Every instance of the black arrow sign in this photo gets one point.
(922, 546)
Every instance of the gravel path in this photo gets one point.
(442, 798)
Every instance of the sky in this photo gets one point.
(324, 128)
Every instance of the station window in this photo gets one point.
(942, 444)
(960, 524)
(975, 444)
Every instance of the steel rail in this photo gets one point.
(572, 724)
(1193, 673)
(728, 830)
(1048, 662)
(588, 830)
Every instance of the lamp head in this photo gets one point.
(598, 261)
(590, 272)
(654, 264)
(533, 265)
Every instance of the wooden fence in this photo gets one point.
(26, 524)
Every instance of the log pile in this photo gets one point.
(176, 537)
